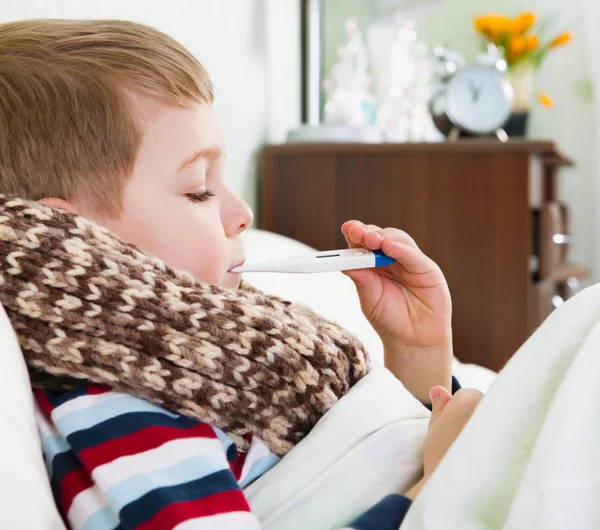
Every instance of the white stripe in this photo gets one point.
(51, 440)
(44, 425)
(137, 486)
(260, 458)
(105, 410)
(222, 521)
(225, 440)
(86, 504)
(82, 402)
(166, 455)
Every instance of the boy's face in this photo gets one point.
(176, 205)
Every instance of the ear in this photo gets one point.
(61, 204)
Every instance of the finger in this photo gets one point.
(468, 398)
(398, 235)
(440, 397)
(356, 235)
(349, 224)
(346, 227)
(463, 404)
(410, 257)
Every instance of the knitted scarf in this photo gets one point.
(88, 307)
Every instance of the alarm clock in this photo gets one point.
(473, 99)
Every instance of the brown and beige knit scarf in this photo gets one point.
(89, 308)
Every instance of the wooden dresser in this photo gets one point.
(486, 212)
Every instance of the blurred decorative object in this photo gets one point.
(403, 113)
(351, 114)
(474, 99)
(350, 100)
(525, 44)
(398, 12)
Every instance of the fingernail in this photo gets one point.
(434, 394)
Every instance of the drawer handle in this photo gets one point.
(561, 239)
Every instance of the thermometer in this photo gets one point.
(328, 261)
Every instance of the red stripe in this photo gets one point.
(72, 484)
(94, 390)
(43, 402)
(138, 442)
(237, 465)
(174, 514)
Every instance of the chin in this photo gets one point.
(232, 280)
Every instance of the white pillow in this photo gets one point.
(332, 295)
(26, 501)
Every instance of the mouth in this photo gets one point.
(230, 271)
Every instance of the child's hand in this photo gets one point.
(448, 417)
(408, 303)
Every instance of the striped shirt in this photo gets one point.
(118, 462)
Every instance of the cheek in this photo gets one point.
(185, 236)
(202, 253)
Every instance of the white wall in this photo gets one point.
(592, 16)
(249, 47)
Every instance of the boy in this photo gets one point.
(113, 121)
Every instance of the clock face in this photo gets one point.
(479, 99)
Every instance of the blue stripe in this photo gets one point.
(62, 464)
(58, 398)
(259, 468)
(81, 419)
(123, 425)
(146, 507)
(52, 445)
(103, 519)
(387, 514)
(135, 487)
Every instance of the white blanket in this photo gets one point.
(365, 447)
(529, 458)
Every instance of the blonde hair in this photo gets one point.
(69, 127)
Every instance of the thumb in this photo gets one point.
(440, 397)
(362, 279)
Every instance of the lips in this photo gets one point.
(237, 265)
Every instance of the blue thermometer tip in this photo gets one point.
(381, 260)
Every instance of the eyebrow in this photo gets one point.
(211, 152)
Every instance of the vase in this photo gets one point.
(517, 124)
(522, 78)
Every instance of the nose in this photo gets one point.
(238, 216)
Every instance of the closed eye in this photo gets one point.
(200, 197)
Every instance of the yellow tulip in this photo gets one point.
(517, 45)
(481, 25)
(545, 99)
(532, 42)
(561, 40)
(498, 25)
(524, 22)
